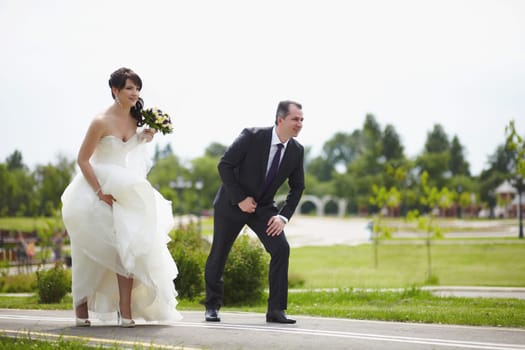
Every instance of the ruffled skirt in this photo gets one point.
(129, 239)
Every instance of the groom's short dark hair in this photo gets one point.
(284, 108)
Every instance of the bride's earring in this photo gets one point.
(117, 101)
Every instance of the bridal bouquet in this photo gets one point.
(158, 120)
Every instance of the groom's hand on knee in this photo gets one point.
(275, 226)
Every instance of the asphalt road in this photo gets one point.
(250, 331)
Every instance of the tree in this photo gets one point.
(432, 198)
(502, 160)
(14, 161)
(516, 144)
(340, 151)
(436, 165)
(371, 145)
(166, 170)
(391, 147)
(205, 169)
(18, 187)
(320, 168)
(381, 198)
(167, 151)
(215, 149)
(437, 140)
(51, 181)
(457, 163)
(500, 165)
(4, 199)
(435, 158)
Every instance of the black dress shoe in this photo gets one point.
(278, 316)
(212, 315)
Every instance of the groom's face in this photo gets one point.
(293, 123)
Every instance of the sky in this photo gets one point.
(219, 66)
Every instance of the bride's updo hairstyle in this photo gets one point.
(118, 80)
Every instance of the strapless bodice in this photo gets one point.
(112, 149)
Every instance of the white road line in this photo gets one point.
(37, 318)
(366, 336)
(311, 332)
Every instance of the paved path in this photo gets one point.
(323, 231)
(477, 292)
(249, 331)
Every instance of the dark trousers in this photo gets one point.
(225, 231)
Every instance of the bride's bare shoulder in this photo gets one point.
(99, 122)
(102, 117)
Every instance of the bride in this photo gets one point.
(117, 222)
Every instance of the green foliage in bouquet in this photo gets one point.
(158, 120)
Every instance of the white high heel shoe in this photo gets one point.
(82, 322)
(125, 322)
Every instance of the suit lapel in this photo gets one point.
(265, 151)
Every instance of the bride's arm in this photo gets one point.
(93, 135)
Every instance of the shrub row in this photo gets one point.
(245, 274)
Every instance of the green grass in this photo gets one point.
(412, 305)
(409, 305)
(405, 265)
(25, 224)
(24, 341)
(207, 226)
(31, 303)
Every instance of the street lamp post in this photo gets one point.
(406, 184)
(199, 184)
(492, 203)
(520, 190)
(180, 184)
(520, 186)
(459, 190)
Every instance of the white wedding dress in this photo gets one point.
(129, 239)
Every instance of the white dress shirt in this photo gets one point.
(273, 150)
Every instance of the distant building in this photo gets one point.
(507, 201)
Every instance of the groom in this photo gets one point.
(252, 169)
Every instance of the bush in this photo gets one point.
(53, 284)
(246, 272)
(21, 283)
(188, 249)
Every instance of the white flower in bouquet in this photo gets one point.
(158, 120)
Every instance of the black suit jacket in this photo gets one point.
(242, 169)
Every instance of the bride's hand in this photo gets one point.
(147, 134)
(106, 198)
